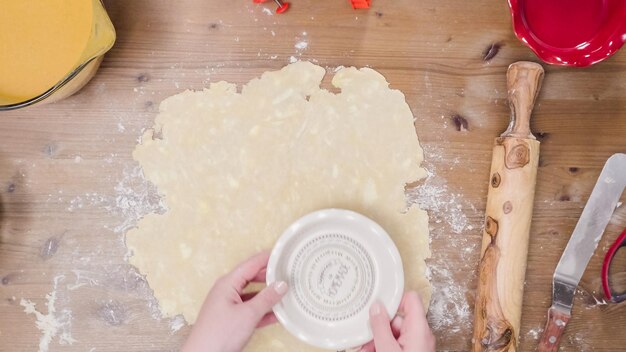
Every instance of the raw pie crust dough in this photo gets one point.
(235, 169)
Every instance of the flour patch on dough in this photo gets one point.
(235, 169)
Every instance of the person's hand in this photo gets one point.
(407, 332)
(228, 316)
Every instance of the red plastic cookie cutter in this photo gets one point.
(282, 5)
(570, 32)
(606, 266)
(361, 4)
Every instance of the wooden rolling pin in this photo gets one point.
(509, 211)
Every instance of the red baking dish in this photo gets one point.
(570, 32)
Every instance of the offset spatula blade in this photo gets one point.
(581, 246)
(590, 227)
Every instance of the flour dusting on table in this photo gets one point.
(446, 206)
(53, 324)
(135, 197)
(451, 270)
(535, 333)
(177, 323)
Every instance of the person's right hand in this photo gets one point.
(407, 332)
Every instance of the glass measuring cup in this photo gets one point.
(99, 41)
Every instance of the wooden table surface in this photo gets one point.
(69, 186)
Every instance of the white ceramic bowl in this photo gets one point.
(336, 263)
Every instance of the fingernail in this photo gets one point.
(375, 309)
(281, 287)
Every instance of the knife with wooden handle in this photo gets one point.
(509, 210)
(580, 247)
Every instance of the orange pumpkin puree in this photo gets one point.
(40, 43)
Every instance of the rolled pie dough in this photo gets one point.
(235, 169)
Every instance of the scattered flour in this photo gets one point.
(446, 206)
(292, 59)
(82, 278)
(267, 11)
(435, 196)
(301, 45)
(177, 323)
(451, 272)
(51, 324)
(135, 197)
(580, 342)
(449, 307)
(535, 333)
(88, 199)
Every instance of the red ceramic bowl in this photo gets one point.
(570, 32)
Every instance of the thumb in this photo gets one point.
(381, 328)
(263, 302)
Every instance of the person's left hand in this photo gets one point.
(228, 316)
